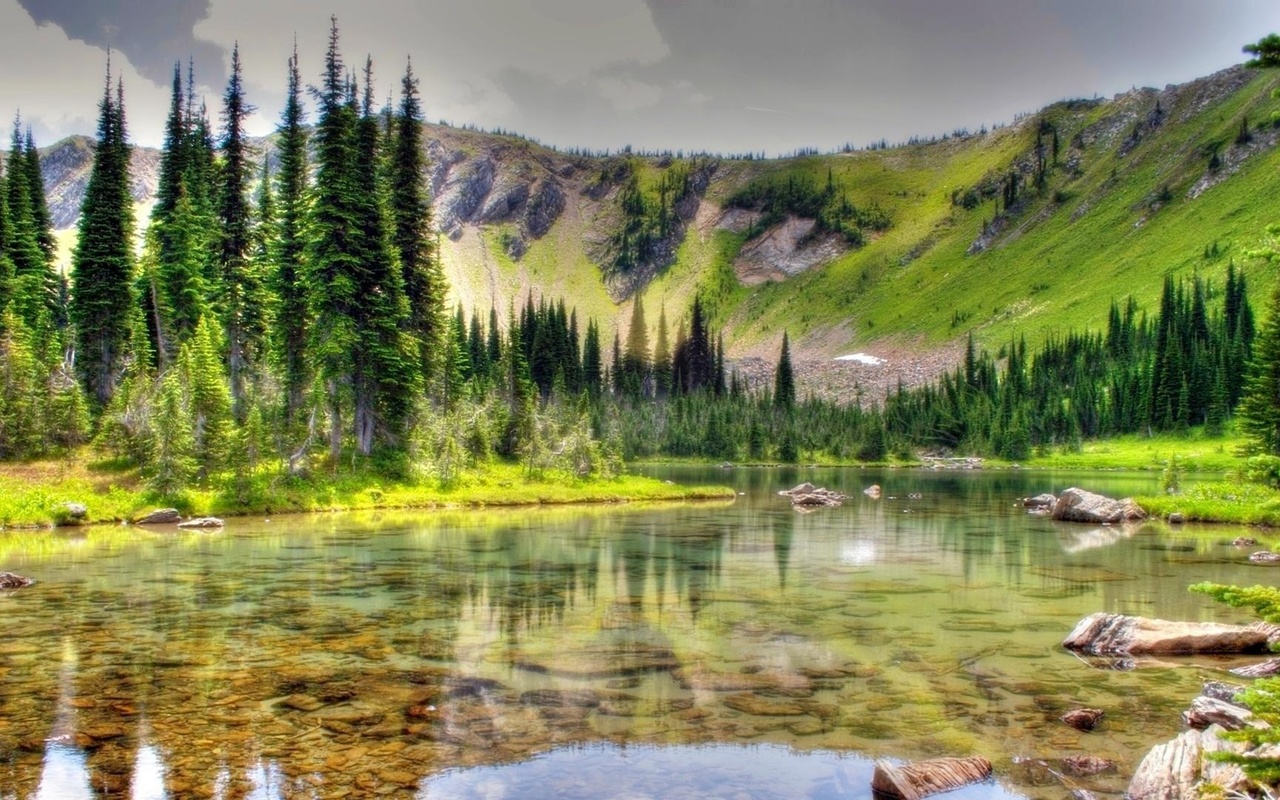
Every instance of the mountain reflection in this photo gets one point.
(359, 655)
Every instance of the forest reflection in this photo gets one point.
(364, 654)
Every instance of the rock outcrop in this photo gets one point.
(923, 778)
(1077, 505)
(1177, 770)
(1117, 634)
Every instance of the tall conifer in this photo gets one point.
(288, 271)
(423, 279)
(102, 265)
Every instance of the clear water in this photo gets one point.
(716, 650)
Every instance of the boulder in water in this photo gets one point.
(1117, 634)
(1077, 505)
(161, 516)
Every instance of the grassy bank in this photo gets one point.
(1236, 502)
(1195, 453)
(35, 493)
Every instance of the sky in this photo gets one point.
(729, 76)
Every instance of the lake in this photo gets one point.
(718, 650)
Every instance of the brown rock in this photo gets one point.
(749, 703)
(302, 702)
(1083, 719)
(1077, 505)
(1265, 557)
(923, 778)
(1244, 541)
(10, 581)
(872, 491)
(1117, 634)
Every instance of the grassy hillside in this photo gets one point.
(1145, 184)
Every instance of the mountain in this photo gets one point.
(897, 252)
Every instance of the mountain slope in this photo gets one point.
(1143, 184)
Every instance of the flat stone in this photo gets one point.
(1045, 500)
(1117, 634)
(161, 516)
(302, 702)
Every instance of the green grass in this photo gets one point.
(1195, 453)
(1090, 237)
(33, 494)
(1236, 502)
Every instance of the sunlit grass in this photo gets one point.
(34, 494)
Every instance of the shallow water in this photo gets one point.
(714, 650)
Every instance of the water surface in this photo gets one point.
(709, 650)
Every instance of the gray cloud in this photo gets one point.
(153, 34)
(722, 75)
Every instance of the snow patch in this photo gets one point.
(862, 358)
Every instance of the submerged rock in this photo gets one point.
(923, 778)
(1083, 719)
(10, 581)
(1263, 669)
(1117, 634)
(161, 516)
(806, 494)
(1077, 505)
(872, 491)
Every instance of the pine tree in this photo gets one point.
(239, 289)
(592, 367)
(209, 400)
(39, 203)
(102, 265)
(6, 263)
(21, 410)
(333, 258)
(662, 357)
(635, 360)
(35, 285)
(1260, 406)
(172, 462)
(288, 273)
(784, 382)
(423, 278)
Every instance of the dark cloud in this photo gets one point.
(153, 34)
